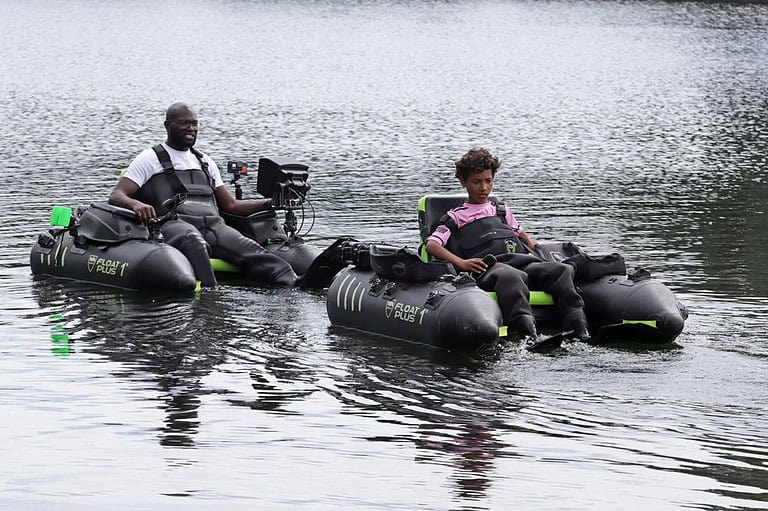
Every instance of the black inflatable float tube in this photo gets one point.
(451, 312)
(134, 264)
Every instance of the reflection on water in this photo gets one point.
(638, 127)
(487, 418)
(157, 341)
(481, 429)
(173, 343)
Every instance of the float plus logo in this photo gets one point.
(389, 308)
(113, 267)
(404, 312)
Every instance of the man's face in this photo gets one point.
(182, 129)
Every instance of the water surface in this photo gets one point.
(637, 127)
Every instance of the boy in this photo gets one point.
(480, 227)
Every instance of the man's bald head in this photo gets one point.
(177, 109)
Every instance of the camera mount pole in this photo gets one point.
(237, 169)
(238, 189)
(290, 223)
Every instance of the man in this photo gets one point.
(160, 172)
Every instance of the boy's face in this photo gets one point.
(479, 186)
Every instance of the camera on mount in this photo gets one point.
(237, 169)
(284, 181)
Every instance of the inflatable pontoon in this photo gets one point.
(393, 292)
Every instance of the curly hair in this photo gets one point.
(476, 159)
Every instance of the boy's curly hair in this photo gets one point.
(476, 159)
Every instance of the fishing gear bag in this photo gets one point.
(404, 264)
(587, 267)
(108, 224)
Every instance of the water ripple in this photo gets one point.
(660, 157)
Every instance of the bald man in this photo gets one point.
(175, 166)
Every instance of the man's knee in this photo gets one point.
(194, 238)
(191, 239)
(229, 240)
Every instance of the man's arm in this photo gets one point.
(229, 204)
(122, 196)
(474, 265)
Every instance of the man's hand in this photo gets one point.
(144, 212)
(229, 204)
(122, 196)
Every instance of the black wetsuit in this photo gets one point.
(516, 271)
(200, 223)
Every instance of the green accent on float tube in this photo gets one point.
(423, 203)
(198, 286)
(649, 322)
(221, 265)
(423, 246)
(541, 298)
(535, 298)
(60, 216)
(503, 331)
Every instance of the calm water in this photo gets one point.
(638, 127)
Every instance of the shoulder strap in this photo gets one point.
(168, 170)
(164, 158)
(501, 211)
(203, 165)
(447, 221)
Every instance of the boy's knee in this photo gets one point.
(505, 275)
(565, 269)
(514, 275)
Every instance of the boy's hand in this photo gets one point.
(474, 265)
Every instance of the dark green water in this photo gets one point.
(637, 127)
